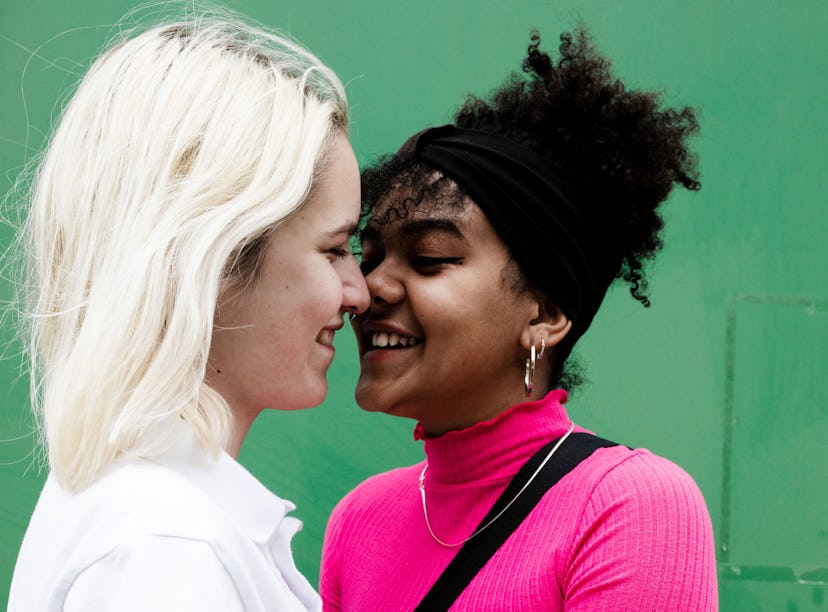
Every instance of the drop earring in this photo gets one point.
(529, 374)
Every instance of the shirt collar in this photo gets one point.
(255, 510)
(497, 448)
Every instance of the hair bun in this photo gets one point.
(619, 147)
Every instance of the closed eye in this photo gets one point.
(433, 262)
(340, 252)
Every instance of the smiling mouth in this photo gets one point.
(325, 337)
(392, 341)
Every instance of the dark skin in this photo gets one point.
(619, 149)
(446, 337)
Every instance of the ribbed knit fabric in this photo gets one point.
(625, 530)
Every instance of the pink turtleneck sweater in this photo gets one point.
(625, 530)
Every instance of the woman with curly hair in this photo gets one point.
(488, 248)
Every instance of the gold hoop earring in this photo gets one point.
(529, 374)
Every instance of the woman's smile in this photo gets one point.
(274, 338)
(374, 335)
(440, 342)
(392, 340)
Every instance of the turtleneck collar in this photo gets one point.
(497, 448)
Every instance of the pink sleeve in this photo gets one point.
(645, 543)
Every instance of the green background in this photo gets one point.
(724, 374)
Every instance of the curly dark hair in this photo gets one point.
(618, 147)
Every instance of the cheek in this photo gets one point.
(460, 308)
(313, 305)
(443, 303)
(311, 290)
(473, 318)
(329, 288)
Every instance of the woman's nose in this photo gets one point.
(383, 286)
(355, 296)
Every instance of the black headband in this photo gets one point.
(542, 221)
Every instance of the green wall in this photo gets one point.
(723, 374)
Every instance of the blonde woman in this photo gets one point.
(189, 266)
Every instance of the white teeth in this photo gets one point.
(384, 339)
(325, 337)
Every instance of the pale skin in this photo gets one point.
(273, 340)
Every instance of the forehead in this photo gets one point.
(408, 203)
(459, 225)
(407, 219)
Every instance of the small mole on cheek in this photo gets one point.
(218, 371)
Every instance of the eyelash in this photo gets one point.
(433, 262)
(366, 266)
(340, 252)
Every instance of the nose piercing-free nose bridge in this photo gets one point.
(383, 285)
(356, 287)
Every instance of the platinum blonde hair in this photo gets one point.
(181, 150)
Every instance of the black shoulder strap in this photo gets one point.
(476, 552)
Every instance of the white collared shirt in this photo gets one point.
(183, 532)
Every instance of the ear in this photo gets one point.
(551, 325)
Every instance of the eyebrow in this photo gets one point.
(418, 228)
(347, 228)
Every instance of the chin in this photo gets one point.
(317, 399)
(368, 401)
(366, 404)
(375, 402)
(315, 395)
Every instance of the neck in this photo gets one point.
(495, 448)
(241, 425)
(456, 416)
